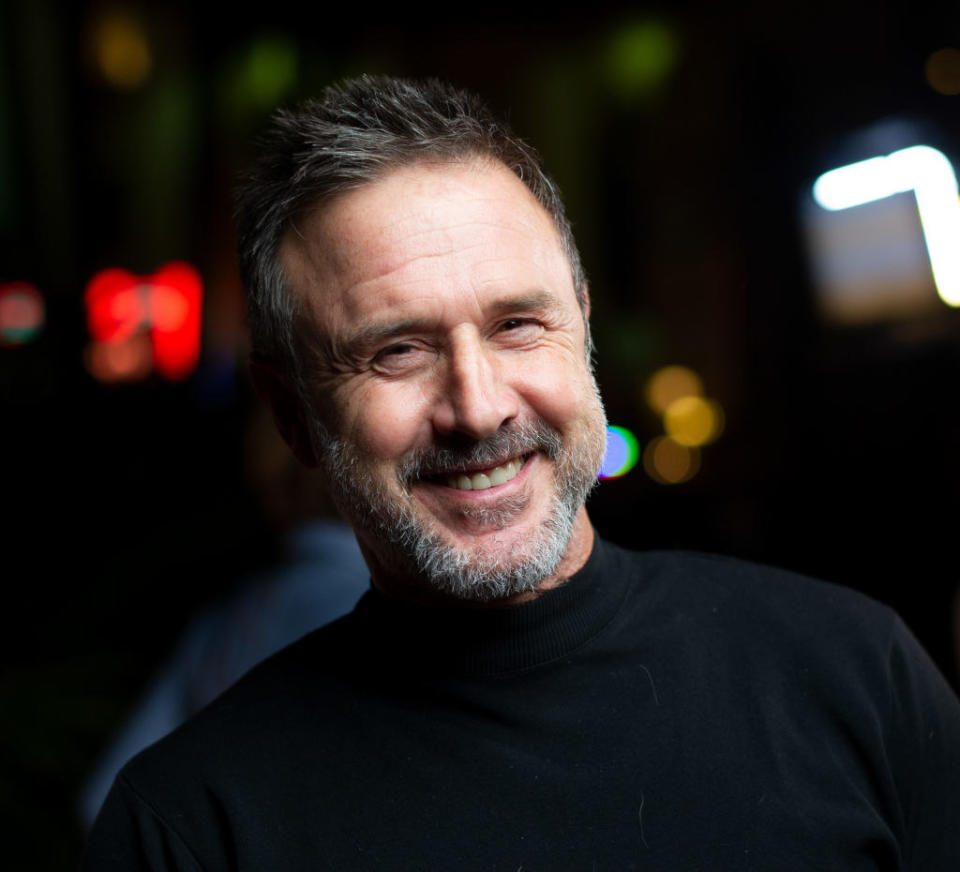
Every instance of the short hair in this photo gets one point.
(352, 135)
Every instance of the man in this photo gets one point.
(512, 693)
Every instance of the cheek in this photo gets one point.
(560, 394)
(386, 420)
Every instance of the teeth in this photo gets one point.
(483, 480)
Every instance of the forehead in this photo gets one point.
(427, 236)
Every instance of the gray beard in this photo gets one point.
(421, 554)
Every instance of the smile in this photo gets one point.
(486, 479)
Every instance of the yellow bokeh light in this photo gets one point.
(668, 462)
(671, 383)
(121, 50)
(693, 421)
(942, 70)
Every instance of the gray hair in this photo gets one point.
(353, 134)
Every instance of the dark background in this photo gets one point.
(683, 138)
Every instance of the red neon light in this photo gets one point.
(166, 304)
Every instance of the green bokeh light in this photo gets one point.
(639, 57)
(270, 70)
(260, 78)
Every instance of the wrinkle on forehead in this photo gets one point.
(345, 222)
(471, 229)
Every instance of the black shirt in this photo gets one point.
(658, 711)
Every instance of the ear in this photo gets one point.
(275, 388)
(585, 296)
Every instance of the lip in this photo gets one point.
(494, 492)
(486, 467)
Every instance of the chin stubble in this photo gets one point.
(482, 573)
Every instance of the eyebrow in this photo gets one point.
(531, 302)
(375, 334)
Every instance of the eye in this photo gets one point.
(398, 358)
(394, 351)
(519, 331)
(514, 324)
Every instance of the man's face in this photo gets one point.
(453, 404)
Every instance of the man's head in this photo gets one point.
(354, 134)
(419, 324)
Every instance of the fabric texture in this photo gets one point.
(659, 711)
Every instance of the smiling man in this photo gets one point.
(513, 692)
(448, 345)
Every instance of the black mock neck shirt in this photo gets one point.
(657, 711)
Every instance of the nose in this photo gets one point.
(476, 397)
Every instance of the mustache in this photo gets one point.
(512, 440)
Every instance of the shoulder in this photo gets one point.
(745, 634)
(292, 726)
(714, 580)
(746, 609)
(300, 692)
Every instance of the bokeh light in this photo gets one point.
(166, 306)
(622, 453)
(262, 76)
(271, 69)
(124, 361)
(942, 71)
(639, 57)
(929, 174)
(116, 305)
(670, 383)
(22, 313)
(668, 462)
(693, 421)
(120, 49)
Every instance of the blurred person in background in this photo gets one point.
(513, 692)
(319, 577)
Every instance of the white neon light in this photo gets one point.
(926, 172)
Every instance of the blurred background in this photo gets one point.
(780, 358)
